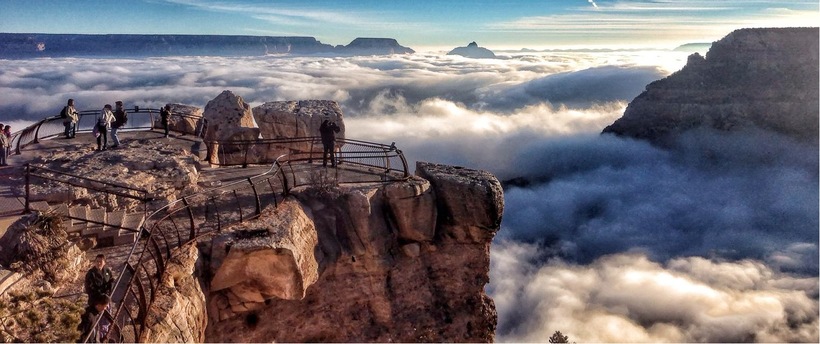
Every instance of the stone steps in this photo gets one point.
(108, 228)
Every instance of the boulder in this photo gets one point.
(270, 258)
(184, 119)
(470, 202)
(295, 119)
(229, 118)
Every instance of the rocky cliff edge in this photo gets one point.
(766, 78)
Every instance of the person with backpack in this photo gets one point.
(120, 119)
(70, 118)
(328, 130)
(102, 127)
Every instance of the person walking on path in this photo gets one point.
(164, 114)
(120, 118)
(99, 281)
(328, 131)
(94, 310)
(70, 118)
(102, 127)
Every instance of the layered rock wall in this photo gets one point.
(404, 262)
(766, 78)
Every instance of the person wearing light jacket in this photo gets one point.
(103, 126)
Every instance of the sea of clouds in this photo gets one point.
(603, 238)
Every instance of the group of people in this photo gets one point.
(99, 286)
(5, 144)
(110, 120)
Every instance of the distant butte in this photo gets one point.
(472, 50)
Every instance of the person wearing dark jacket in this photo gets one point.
(164, 114)
(120, 118)
(328, 131)
(99, 281)
(92, 312)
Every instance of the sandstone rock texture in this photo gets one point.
(184, 119)
(767, 78)
(228, 118)
(402, 262)
(158, 167)
(294, 119)
(178, 314)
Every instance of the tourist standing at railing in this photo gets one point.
(70, 118)
(164, 114)
(102, 127)
(120, 118)
(5, 142)
(99, 280)
(7, 132)
(93, 311)
(328, 131)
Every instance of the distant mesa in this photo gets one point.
(472, 50)
(763, 78)
(694, 47)
(374, 46)
(26, 45)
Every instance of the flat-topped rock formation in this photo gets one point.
(27, 45)
(766, 78)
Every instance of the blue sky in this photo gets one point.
(419, 23)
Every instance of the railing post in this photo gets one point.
(27, 208)
(256, 196)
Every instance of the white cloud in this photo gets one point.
(628, 298)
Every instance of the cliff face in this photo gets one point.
(766, 78)
(402, 262)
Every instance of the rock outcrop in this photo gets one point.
(294, 119)
(162, 170)
(405, 262)
(472, 50)
(767, 78)
(374, 46)
(178, 313)
(184, 119)
(228, 118)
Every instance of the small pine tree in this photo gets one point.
(557, 337)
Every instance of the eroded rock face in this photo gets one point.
(185, 119)
(767, 78)
(162, 170)
(294, 119)
(229, 118)
(390, 268)
(272, 257)
(178, 314)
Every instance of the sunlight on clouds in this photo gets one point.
(627, 298)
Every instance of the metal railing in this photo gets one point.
(191, 217)
(51, 127)
(264, 151)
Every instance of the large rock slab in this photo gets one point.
(293, 119)
(228, 118)
(185, 119)
(270, 258)
(470, 202)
